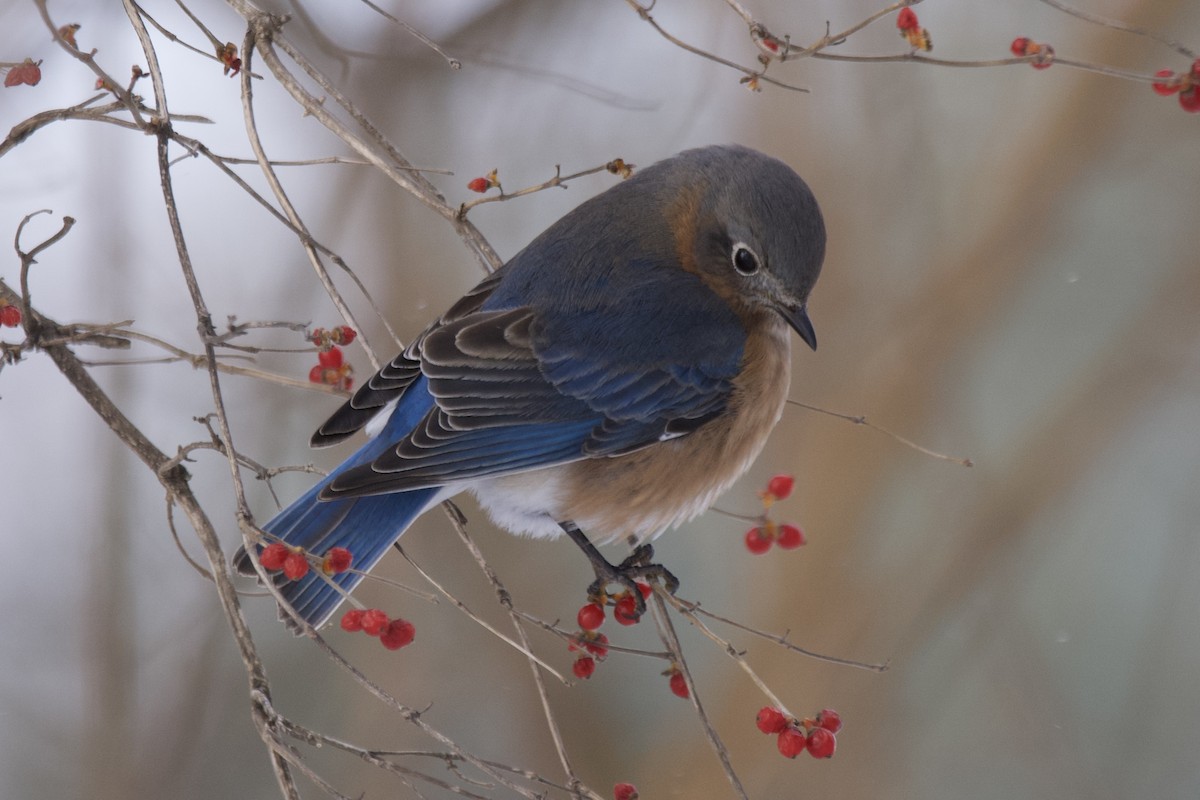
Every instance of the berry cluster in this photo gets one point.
(767, 532)
(816, 735)
(331, 368)
(910, 28)
(1187, 84)
(10, 315)
(593, 646)
(293, 561)
(1024, 46)
(343, 334)
(393, 633)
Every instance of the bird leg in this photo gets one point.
(637, 565)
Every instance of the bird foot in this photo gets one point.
(639, 565)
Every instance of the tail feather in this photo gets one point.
(366, 526)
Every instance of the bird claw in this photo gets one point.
(639, 565)
(627, 573)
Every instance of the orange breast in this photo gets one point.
(643, 493)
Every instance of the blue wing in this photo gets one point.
(567, 376)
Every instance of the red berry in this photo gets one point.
(295, 566)
(397, 634)
(625, 791)
(906, 20)
(645, 590)
(597, 645)
(790, 537)
(780, 486)
(591, 616)
(757, 541)
(352, 620)
(1190, 100)
(479, 185)
(374, 621)
(830, 720)
(791, 742)
(344, 334)
(273, 556)
(625, 611)
(1196, 69)
(316, 374)
(1167, 87)
(584, 667)
(25, 72)
(1045, 56)
(331, 358)
(1020, 46)
(337, 560)
(770, 720)
(10, 316)
(821, 743)
(679, 685)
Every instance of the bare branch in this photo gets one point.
(1118, 25)
(862, 420)
(454, 63)
(667, 631)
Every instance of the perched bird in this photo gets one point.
(608, 382)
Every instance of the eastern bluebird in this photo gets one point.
(615, 376)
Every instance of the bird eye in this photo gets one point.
(744, 260)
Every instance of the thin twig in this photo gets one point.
(285, 202)
(751, 75)
(572, 637)
(487, 626)
(782, 640)
(559, 180)
(1116, 24)
(862, 420)
(193, 563)
(214, 42)
(729, 649)
(374, 757)
(666, 631)
(413, 716)
(454, 63)
(380, 758)
(126, 98)
(505, 599)
(201, 361)
(396, 166)
(30, 258)
(175, 481)
(280, 763)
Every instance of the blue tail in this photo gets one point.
(366, 526)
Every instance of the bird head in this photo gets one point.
(750, 228)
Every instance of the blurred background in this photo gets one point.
(1012, 276)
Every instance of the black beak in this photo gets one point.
(797, 317)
